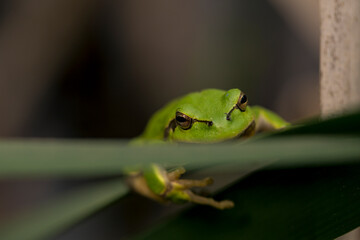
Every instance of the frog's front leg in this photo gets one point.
(266, 120)
(162, 186)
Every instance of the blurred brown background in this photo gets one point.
(99, 69)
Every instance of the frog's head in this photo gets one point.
(211, 116)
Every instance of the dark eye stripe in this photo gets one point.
(241, 105)
(186, 122)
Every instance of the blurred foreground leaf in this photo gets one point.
(78, 159)
(63, 212)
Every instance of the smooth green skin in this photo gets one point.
(210, 105)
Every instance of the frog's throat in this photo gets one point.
(248, 131)
(170, 127)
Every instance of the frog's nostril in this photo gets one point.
(210, 123)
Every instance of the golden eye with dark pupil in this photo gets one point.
(242, 102)
(243, 99)
(183, 121)
(180, 119)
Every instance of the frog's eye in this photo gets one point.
(242, 102)
(183, 120)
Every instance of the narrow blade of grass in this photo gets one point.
(40, 158)
(64, 211)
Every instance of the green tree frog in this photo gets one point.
(208, 116)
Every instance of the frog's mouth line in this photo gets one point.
(247, 132)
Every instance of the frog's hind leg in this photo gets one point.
(266, 120)
(186, 184)
(225, 204)
(180, 190)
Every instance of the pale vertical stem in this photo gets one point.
(340, 62)
(353, 235)
(339, 56)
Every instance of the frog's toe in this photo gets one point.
(208, 181)
(176, 174)
(226, 204)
